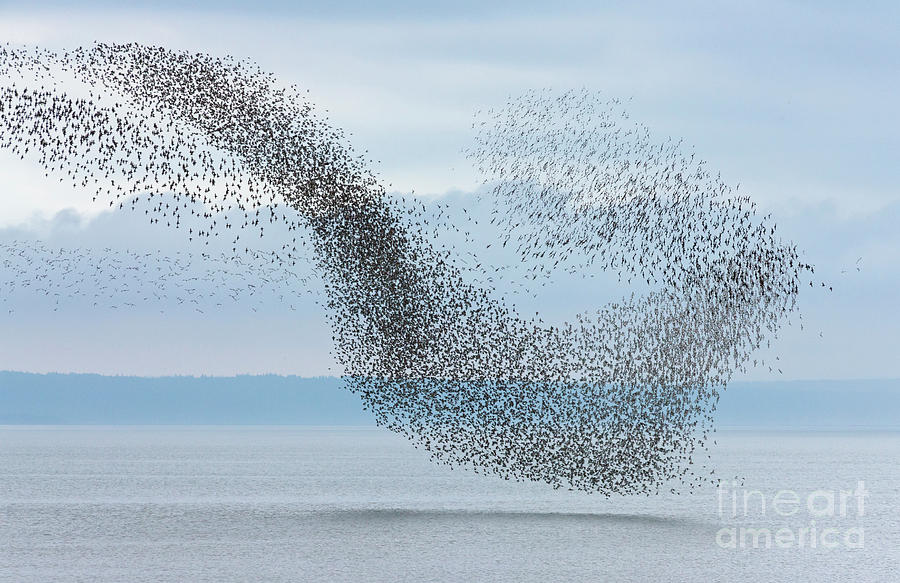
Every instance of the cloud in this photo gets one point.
(851, 332)
(120, 326)
(793, 100)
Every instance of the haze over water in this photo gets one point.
(342, 504)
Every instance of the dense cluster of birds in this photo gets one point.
(617, 400)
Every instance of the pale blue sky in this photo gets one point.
(794, 100)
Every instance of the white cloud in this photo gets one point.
(795, 102)
(859, 321)
(774, 96)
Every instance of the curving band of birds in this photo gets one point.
(617, 400)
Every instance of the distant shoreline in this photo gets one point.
(274, 400)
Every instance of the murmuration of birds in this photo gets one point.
(618, 400)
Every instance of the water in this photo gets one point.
(297, 504)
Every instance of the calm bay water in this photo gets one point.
(336, 504)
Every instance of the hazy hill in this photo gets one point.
(27, 398)
(94, 399)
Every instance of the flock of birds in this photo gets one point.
(112, 279)
(618, 400)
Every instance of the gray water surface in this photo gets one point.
(340, 504)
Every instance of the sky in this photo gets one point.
(793, 100)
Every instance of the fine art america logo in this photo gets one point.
(786, 519)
